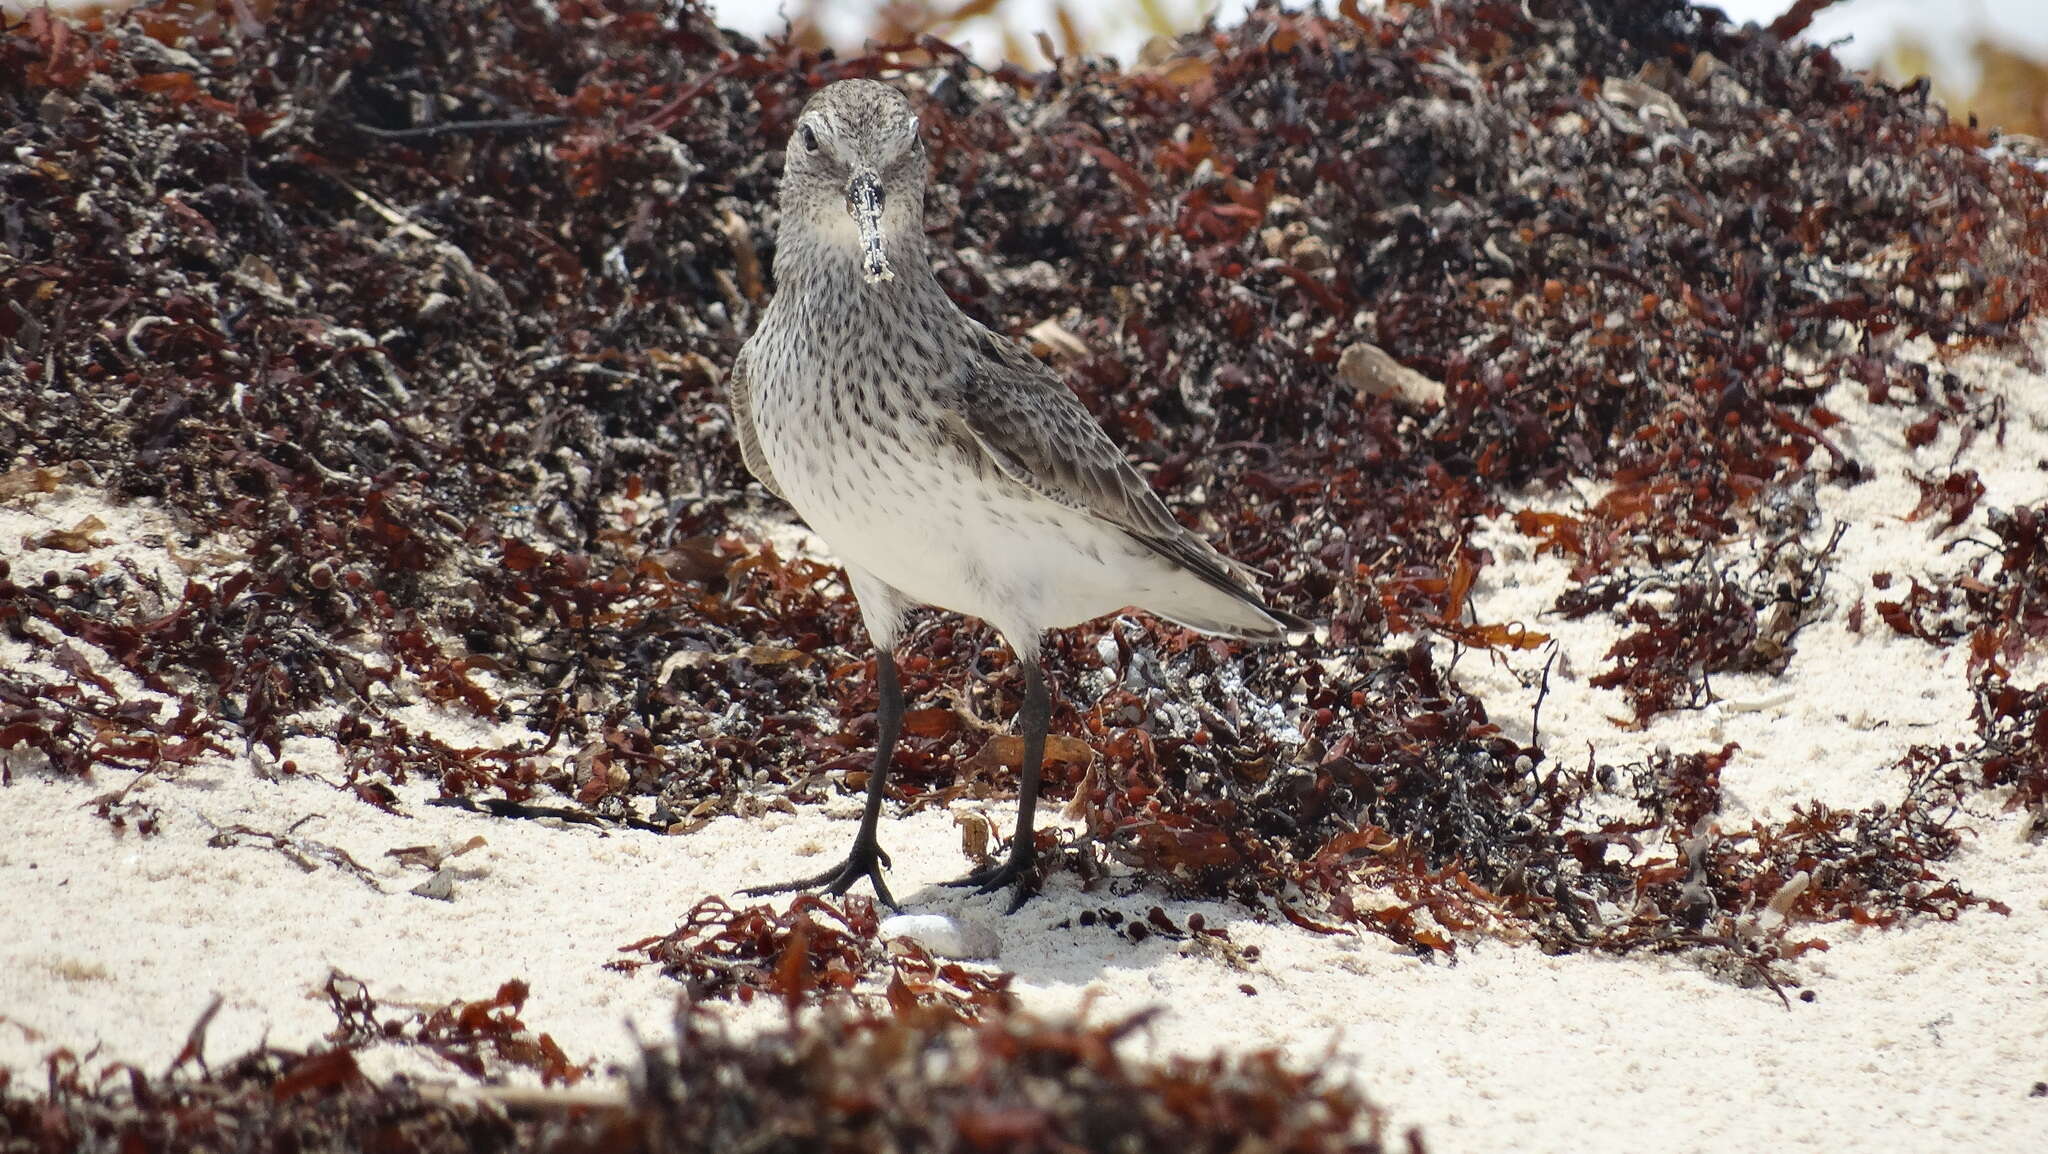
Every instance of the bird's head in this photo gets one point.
(854, 172)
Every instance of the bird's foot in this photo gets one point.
(1016, 872)
(866, 860)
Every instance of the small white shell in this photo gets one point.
(944, 935)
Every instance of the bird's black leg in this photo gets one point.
(867, 857)
(1016, 871)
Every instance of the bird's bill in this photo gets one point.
(864, 202)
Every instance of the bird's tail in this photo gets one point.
(1211, 593)
(1269, 627)
(1225, 610)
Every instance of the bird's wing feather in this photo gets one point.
(740, 393)
(1033, 429)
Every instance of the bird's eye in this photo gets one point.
(810, 138)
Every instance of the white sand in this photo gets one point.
(1929, 1034)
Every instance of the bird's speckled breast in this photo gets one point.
(850, 425)
(847, 424)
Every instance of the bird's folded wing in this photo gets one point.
(740, 393)
(1033, 429)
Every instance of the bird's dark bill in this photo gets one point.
(864, 201)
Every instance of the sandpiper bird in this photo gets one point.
(943, 464)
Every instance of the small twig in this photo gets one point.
(667, 114)
(501, 807)
(1542, 691)
(117, 796)
(294, 848)
(534, 124)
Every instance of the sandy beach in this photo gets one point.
(1649, 414)
(1936, 1032)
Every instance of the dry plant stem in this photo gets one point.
(867, 858)
(530, 124)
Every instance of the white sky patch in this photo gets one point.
(1862, 30)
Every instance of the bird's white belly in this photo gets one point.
(972, 545)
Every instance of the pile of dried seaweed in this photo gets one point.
(421, 310)
(813, 951)
(912, 1081)
(316, 1099)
